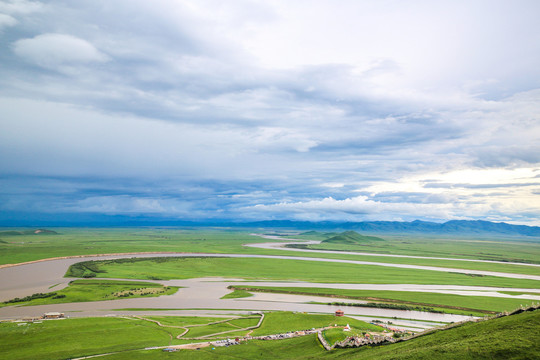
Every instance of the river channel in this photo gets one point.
(45, 276)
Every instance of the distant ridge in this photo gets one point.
(417, 226)
(27, 232)
(351, 237)
(453, 227)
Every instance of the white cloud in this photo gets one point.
(7, 21)
(313, 99)
(20, 6)
(57, 50)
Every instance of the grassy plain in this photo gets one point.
(280, 322)
(503, 248)
(99, 290)
(283, 269)
(335, 335)
(456, 264)
(236, 294)
(448, 302)
(62, 339)
(513, 337)
(505, 338)
(87, 241)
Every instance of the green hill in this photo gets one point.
(308, 233)
(27, 232)
(351, 237)
(509, 337)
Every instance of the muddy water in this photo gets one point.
(23, 280)
(205, 294)
(27, 279)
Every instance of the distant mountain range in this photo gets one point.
(453, 227)
(417, 226)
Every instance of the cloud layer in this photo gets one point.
(255, 110)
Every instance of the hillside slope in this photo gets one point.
(510, 337)
(351, 237)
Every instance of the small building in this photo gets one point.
(53, 315)
(31, 318)
(340, 313)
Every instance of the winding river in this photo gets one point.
(45, 276)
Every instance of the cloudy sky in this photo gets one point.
(251, 110)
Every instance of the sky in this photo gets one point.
(244, 110)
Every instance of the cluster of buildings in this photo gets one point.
(286, 335)
(357, 341)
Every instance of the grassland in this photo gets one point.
(236, 294)
(99, 290)
(87, 241)
(76, 241)
(280, 322)
(513, 337)
(456, 264)
(458, 304)
(505, 338)
(232, 327)
(335, 335)
(282, 269)
(512, 249)
(61, 339)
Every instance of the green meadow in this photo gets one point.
(511, 337)
(458, 304)
(280, 322)
(497, 248)
(236, 294)
(456, 264)
(87, 241)
(68, 338)
(97, 290)
(284, 269)
(64, 339)
(126, 337)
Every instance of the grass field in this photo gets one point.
(98, 290)
(520, 249)
(279, 322)
(62, 339)
(77, 241)
(335, 335)
(277, 269)
(236, 294)
(449, 302)
(513, 337)
(456, 264)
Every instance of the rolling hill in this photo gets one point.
(351, 237)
